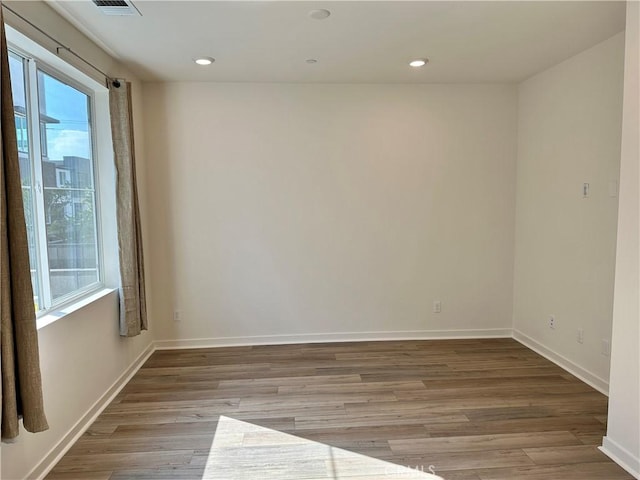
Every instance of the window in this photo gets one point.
(54, 126)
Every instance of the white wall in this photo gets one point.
(81, 355)
(569, 122)
(623, 429)
(330, 209)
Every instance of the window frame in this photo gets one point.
(37, 58)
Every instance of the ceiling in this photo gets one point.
(361, 42)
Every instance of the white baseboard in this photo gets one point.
(622, 456)
(81, 426)
(586, 376)
(331, 337)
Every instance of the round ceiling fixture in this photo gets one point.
(204, 60)
(319, 14)
(419, 62)
(311, 60)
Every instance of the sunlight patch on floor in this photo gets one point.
(242, 451)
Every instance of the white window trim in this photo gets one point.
(104, 174)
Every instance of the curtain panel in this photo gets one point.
(133, 309)
(21, 391)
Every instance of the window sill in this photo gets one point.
(79, 304)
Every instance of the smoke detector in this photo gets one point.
(117, 7)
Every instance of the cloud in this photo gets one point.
(63, 143)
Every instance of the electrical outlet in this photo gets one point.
(176, 316)
(606, 347)
(580, 336)
(437, 306)
(552, 322)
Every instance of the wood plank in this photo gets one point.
(473, 443)
(565, 455)
(471, 460)
(106, 475)
(337, 388)
(342, 435)
(141, 443)
(299, 380)
(591, 471)
(114, 461)
(574, 424)
(361, 420)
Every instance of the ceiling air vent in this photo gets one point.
(116, 7)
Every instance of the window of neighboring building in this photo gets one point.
(54, 117)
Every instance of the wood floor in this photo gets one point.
(456, 410)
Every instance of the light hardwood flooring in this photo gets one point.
(462, 409)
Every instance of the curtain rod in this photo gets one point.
(62, 46)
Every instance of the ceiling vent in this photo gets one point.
(117, 7)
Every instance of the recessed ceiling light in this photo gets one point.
(319, 14)
(204, 60)
(419, 62)
(311, 60)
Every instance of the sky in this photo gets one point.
(70, 137)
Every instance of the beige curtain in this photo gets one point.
(21, 393)
(133, 309)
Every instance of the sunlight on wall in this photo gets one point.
(243, 450)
